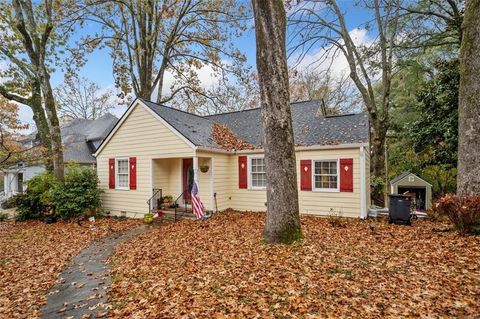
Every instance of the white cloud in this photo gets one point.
(325, 58)
(206, 76)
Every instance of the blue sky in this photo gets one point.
(99, 65)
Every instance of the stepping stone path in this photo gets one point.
(81, 290)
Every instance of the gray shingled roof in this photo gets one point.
(197, 129)
(80, 138)
(309, 127)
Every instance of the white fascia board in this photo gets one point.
(409, 175)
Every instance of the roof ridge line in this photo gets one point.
(256, 108)
(172, 108)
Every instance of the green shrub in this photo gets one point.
(3, 216)
(11, 202)
(78, 194)
(37, 200)
(463, 212)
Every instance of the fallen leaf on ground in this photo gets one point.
(33, 254)
(222, 268)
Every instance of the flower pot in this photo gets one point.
(204, 168)
(148, 218)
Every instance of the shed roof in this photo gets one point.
(405, 174)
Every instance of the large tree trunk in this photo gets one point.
(468, 180)
(42, 125)
(54, 125)
(283, 221)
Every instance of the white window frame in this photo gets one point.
(327, 190)
(249, 167)
(117, 184)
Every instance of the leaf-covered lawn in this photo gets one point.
(221, 268)
(32, 254)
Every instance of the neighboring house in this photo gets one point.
(80, 139)
(158, 147)
(408, 182)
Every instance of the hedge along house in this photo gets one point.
(156, 147)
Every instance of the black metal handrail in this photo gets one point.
(155, 201)
(176, 205)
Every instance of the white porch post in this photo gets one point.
(195, 169)
(212, 191)
(363, 184)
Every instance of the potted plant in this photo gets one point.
(167, 200)
(148, 218)
(204, 168)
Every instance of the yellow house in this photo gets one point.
(156, 151)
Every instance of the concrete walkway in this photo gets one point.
(80, 291)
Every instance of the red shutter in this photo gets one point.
(242, 172)
(111, 173)
(133, 172)
(306, 175)
(346, 174)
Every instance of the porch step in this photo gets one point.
(181, 214)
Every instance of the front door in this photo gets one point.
(187, 178)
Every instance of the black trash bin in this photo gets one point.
(399, 209)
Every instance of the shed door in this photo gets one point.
(420, 195)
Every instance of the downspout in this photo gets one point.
(363, 184)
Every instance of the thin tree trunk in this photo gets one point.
(161, 76)
(468, 180)
(283, 221)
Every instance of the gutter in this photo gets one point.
(297, 148)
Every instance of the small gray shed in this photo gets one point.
(408, 182)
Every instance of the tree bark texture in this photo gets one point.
(283, 220)
(42, 125)
(54, 125)
(468, 178)
(35, 103)
(35, 44)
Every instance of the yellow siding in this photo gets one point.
(311, 202)
(145, 137)
(346, 204)
(221, 170)
(167, 176)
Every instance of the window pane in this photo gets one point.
(257, 173)
(122, 166)
(122, 172)
(325, 174)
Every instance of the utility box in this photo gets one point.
(399, 209)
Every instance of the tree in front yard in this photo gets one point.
(11, 128)
(468, 180)
(283, 220)
(31, 34)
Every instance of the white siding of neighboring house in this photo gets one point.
(11, 178)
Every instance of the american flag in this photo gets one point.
(198, 209)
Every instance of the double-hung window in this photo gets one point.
(122, 175)
(257, 172)
(325, 175)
